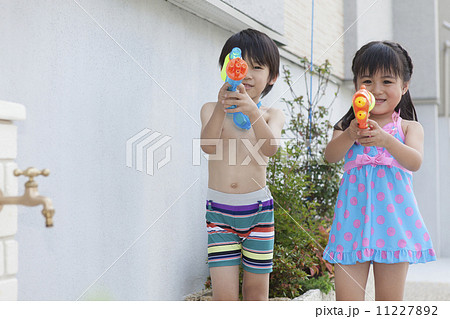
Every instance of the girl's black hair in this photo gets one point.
(258, 48)
(384, 56)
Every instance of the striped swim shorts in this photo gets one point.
(240, 226)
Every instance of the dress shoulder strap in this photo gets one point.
(396, 118)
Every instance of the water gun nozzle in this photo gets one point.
(237, 69)
(363, 102)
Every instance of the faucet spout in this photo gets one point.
(48, 211)
(48, 214)
(31, 196)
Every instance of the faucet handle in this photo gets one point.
(31, 172)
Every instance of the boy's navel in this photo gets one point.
(234, 185)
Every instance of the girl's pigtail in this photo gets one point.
(406, 105)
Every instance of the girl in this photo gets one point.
(377, 219)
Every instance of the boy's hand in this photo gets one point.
(242, 100)
(222, 94)
(374, 136)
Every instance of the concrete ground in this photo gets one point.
(425, 282)
(429, 281)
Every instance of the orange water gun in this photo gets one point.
(234, 69)
(363, 102)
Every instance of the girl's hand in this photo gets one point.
(353, 130)
(374, 136)
(243, 102)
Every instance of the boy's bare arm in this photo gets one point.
(212, 117)
(270, 132)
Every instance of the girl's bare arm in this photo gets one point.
(341, 142)
(410, 154)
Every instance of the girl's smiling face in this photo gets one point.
(386, 88)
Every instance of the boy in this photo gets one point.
(239, 205)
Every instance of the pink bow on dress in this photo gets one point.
(380, 159)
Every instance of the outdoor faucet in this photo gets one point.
(31, 196)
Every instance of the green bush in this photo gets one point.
(304, 188)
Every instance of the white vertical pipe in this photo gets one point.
(447, 72)
(447, 77)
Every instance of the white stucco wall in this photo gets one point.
(85, 98)
(359, 22)
(267, 12)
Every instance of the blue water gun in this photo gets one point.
(234, 71)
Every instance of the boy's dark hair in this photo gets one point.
(257, 48)
(382, 56)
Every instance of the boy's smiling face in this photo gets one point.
(256, 80)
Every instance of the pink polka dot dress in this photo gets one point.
(376, 215)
